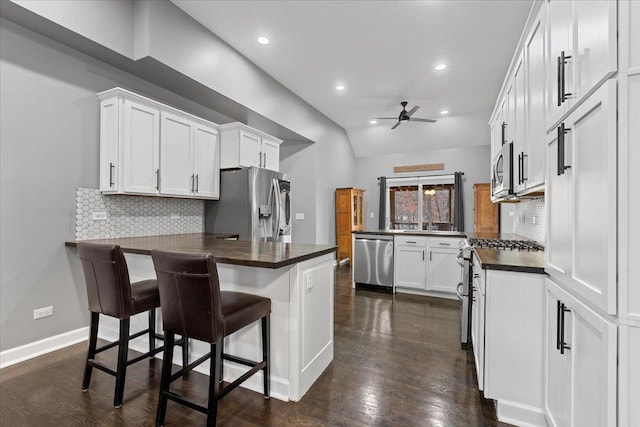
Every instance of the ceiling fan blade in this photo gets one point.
(416, 119)
(384, 118)
(396, 125)
(413, 110)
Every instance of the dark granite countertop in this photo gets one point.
(511, 260)
(459, 234)
(240, 252)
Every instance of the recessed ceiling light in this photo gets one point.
(340, 87)
(263, 40)
(440, 67)
(373, 122)
(444, 112)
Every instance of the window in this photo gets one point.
(422, 203)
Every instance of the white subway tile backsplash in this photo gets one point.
(529, 219)
(130, 216)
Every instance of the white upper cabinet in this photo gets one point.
(583, 255)
(148, 148)
(190, 159)
(583, 52)
(517, 123)
(243, 146)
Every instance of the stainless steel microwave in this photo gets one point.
(502, 171)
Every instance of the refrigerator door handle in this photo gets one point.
(276, 219)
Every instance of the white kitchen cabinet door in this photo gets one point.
(176, 160)
(557, 252)
(443, 270)
(584, 365)
(206, 162)
(595, 42)
(519, 125)
(557, 368)
(534, 51)
(250, 154)
(590, 175)
(141, 148)
(109, 145)
(593, 197)
(559, 32)
(410, 262)
(270, 152)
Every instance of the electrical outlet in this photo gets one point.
(175, 216)
(534, 220)
(99, 216)
(39, 313)
(371, 215)
(299, 216)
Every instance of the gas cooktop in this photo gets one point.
(526, 245)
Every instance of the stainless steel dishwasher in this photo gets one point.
(373, 259)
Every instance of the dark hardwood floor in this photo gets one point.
(398, 362)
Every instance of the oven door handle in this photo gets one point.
(459, 290)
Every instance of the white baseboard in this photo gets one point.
(29, 351)
(520, 415)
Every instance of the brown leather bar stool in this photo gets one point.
(193, 306)
(110, 292)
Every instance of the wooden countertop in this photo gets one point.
(239, 252)
(511, 260)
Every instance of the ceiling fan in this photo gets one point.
(405, 116)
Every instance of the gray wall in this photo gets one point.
(49, 146)
(473, 161)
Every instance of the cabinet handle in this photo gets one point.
(559, 77)
(476, 276)
(193, 178)
(563, 346)
(264, 163)
(260, 159)
(504, 133)
(197, 183)
(430, 255)
(519, 169)
(111, 174)
(558, 324)
(411, 241)
(524, 175)
(423, 255)
(444, 244)
(158, 179)
(561, 133)
(563, 61)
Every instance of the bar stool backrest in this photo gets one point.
(107, 279)
(189, 294)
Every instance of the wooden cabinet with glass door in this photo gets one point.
(349, 217)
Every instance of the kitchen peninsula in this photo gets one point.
(298, 278)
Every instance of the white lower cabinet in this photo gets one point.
(410, 269)
(443, 270)
(513, 343)
(580, 363)
(427, 264)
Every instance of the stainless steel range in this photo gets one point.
(526, 245)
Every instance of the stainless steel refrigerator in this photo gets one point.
(254, 203)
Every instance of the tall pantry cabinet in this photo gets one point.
(349, 217)
(593, 292)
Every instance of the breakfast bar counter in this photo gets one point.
(299, 280)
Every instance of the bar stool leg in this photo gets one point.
(121, 372)
(165, 379)
(91, 352)
(221, 361)
(266, 345)
(214, 383)
(152, 330)
(185, 354)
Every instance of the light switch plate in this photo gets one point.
(299, 216)
(371, 215)
(99, 216)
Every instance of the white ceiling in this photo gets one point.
(384, 52)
